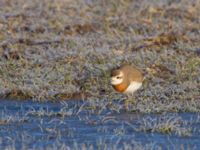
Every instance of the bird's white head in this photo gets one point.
(117, 77)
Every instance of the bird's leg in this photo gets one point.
(129, 101)
(133, 98)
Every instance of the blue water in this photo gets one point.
(74, 125)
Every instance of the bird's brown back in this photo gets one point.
(131, 73)
(115, 72)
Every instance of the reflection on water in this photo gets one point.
(78, 124)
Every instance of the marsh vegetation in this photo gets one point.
(55, 51)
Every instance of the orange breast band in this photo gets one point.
(120, 87)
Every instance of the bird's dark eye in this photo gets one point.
(119, 77)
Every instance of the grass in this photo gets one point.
(64, 50)
(166, 125)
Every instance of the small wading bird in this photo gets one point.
(126, 79)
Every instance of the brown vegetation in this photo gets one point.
(58, 49)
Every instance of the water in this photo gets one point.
(76, 125)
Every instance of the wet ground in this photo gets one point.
(78, 125)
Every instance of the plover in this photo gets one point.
(126, 79)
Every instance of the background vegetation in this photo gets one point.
(64, 49)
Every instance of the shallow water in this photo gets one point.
(33, 125)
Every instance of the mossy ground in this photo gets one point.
(64, 49)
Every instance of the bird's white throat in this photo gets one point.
(115, 81)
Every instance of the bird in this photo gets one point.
(126, 79)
